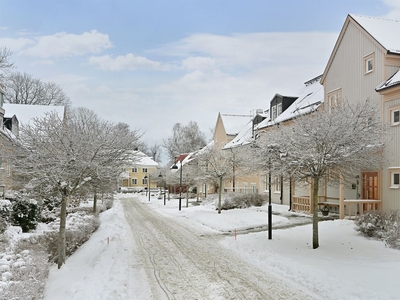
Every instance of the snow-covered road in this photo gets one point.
(183, 263)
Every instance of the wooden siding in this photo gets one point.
(391, 197)
(347, 69)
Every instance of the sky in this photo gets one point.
(154, 63)
(345, 266)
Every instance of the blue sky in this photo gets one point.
(151, 64)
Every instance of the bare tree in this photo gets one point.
(216, 167)
(60, 156)
(153, 151)
(337, 143)
(5, 64)
(22, 88)
(184, 139)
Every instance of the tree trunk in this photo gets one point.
(61, 236)
(220, 195)
(187, 197)
(95, 201)
(315, 212)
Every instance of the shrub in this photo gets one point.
(381, 225)
(243, 201)
(26, 213)
(5, 210)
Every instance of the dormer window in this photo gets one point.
(395, 116)
(273, 112)
(278, 109)
(369, 63)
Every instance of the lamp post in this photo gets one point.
(148, 183)
(164, 181)
(175, 167)
(269, 203)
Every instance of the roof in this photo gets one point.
(144, 160)
(234, 123)
(392, 81)
(26, 113)
(385, 31)
(309, 98)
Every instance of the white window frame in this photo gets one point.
(369, 63)
(273, 114)
(393, 111)
(134, 170)
(278, 109)
(134, 181)
(334, 99)
(277, 184)
(144, 170)
(144, 180)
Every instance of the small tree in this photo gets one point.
(60, 156)
(184, 139)
(5, 64)
(22, 88)
(337, 143)
(216, 167)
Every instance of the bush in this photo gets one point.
(26, 214)
(243, 201)
(381, 225)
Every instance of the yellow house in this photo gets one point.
(140, 174)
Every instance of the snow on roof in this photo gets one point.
(243, 137)
(385, 31)
(26, 113)
(392, 81)
(309, 98)
(144, 160)
(234, 123)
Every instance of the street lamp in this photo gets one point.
(164, 181)
(269, 202)
(175, 167)
(148, 183)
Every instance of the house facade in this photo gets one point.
(140, 175)
(365, 56)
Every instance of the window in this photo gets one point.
(395, 180)
(273, 113)
(277, 184)
(144, 170)
(334, 99)
(134, 170)
(278, 109)
(395, 116)
(134, 181)
(369, 63)
(144, 181)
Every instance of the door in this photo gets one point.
(370, 186)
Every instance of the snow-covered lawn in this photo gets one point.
(345, 266)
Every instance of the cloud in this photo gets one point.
(64, 44)
(16, 44)
(127, 62)
(46, 62)
(198, 63)
(394, 12)
(248, 50)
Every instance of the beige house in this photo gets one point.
(365, 57)
(139, 175)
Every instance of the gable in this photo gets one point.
(385, 26)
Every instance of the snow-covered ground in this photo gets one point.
(345, 266)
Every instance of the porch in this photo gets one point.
(350, 208)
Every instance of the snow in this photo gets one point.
(393, 80)
(345, 266)
(385, 31)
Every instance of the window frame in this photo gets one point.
(134, 181)
(336, 96)
(369, 58)
(134, 170)
(145, 170)
(394, 182)
(393, 110)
